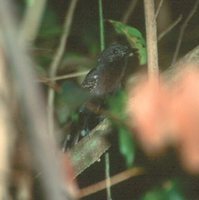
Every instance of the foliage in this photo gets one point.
(117, 109)
(169, 191)
(134, 37)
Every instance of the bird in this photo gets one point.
(101, 81)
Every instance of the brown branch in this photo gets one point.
(90, 148)
(182, 30)
(56, 61)
(118, 178)
(63, 77)
(151, 35)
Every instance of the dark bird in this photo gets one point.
(102, 81)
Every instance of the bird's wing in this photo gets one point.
(91, 80)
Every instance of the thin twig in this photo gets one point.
(123, 176)
(102, 46)
(32, 105)
(151, 34)
(32, 20)
(63, 77)
(56, 61)
(130, 10)
(101, 25)
(107, 175)
(191, 57)
(158, 8)
(182, 30)
(163, 33)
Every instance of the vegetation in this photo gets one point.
(146, 148)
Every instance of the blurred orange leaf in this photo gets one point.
(167, 113)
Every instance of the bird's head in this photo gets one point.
(115, 53)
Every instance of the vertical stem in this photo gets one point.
(108, 180)
(158, 8)
(151, 34)
(102, 46)
(101, 26)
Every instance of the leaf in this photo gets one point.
(134, 38)
(126, 144)
(169, 191)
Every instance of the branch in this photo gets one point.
(151, 34)
(163, 33)
(118, 178)
(63, 77)
(90, 148)
(158, 8)
(56, 61)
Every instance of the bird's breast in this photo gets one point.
(108, 81)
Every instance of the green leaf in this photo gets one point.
(134, 38)
(169, 191)
(126, 145)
